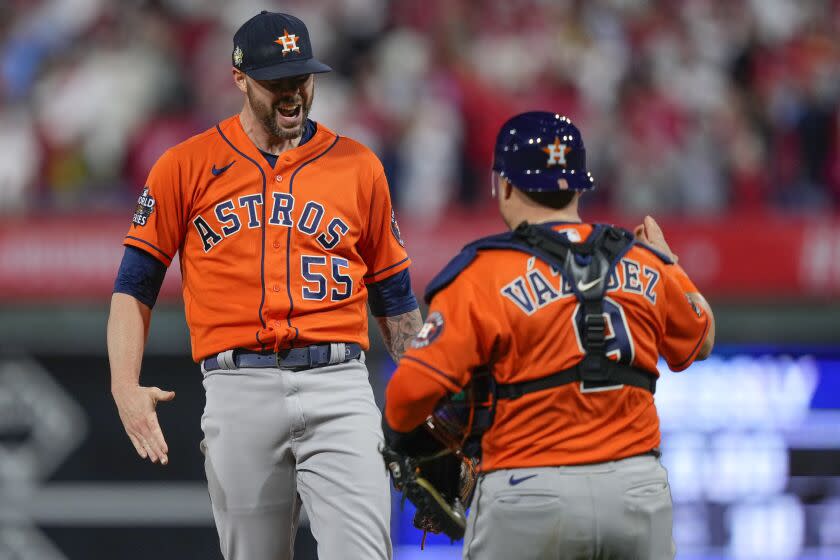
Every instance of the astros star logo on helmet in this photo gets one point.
(556, 153)
(288, 42)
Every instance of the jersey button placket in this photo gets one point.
(275, 272)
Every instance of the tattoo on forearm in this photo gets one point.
(399, 330)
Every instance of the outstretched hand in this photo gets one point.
(136, 406)
(650, 233)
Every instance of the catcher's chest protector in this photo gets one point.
(585, 268)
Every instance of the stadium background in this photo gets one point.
(718, 117)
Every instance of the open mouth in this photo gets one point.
(290, 111)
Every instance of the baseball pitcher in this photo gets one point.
(285, 233)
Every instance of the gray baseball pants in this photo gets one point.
(614, 510)
(274, 438)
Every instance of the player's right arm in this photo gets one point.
(128, 327)
(683, 323)
(697, 299)
(156, 232)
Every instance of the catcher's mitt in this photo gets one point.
(438, 486)
(435, 465)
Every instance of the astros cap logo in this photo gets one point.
(556, 153)
(289, 42)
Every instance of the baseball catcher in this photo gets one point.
(539, 359)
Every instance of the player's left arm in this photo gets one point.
(390, 297)
(398, 331)
(457, 338)
(395, 309)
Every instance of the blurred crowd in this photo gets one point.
(689, 107)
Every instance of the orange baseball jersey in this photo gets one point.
(515, 312)
(266, 253)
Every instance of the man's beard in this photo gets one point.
(267, 116)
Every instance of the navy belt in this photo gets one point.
(308, 357)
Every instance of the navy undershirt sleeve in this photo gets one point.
(392, 296)
(140, 275)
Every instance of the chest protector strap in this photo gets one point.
(585, 267)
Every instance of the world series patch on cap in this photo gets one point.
(270, 46)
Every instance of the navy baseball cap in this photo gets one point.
(271, 45)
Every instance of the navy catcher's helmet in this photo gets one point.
(536, 149)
